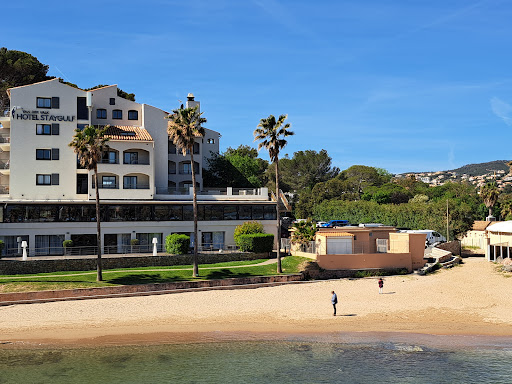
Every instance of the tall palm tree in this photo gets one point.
(184, 127)
(271, 133)
(89, 144)
(489, 194)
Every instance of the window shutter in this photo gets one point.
(55, 103)
(55, 129)
(55, 179)
(55, 153)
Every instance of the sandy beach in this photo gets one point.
(472, 299)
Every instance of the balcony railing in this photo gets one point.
(136, 186)
(137, 162)
(107, 186)
(108, 161)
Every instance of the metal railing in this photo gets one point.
(136, 186)
(137, 162)
(121, 249)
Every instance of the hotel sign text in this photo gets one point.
(39, 115)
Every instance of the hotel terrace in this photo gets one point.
(145, 184)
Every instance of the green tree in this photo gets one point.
(18, 68)
(89, 144)
(303, 232)
(184, 127)
(271, 133)
(489, 194)
(307, 168)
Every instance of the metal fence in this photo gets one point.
(112, 250)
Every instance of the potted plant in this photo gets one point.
(67, 244)
(133, 243)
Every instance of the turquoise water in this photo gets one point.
(299, 361)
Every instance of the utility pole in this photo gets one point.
(447, 223)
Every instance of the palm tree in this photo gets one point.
(271, 133)
(184, 127)
(89, 144)
(489, 194)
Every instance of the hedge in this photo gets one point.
(258, 242)
(176, 244)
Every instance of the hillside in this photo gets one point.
(482, 168)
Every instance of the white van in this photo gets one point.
(432, 236)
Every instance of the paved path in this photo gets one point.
(267, 262)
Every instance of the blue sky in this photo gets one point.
(421, 85)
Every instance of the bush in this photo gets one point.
(67, 243)
(257, 242)
(2, 245)
(134, 242)
(177, 244)
(247, 228)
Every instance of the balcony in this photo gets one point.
(213, 194)
(4, 167)
(136, 186)
(5, 143)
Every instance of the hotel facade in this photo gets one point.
(144, 181)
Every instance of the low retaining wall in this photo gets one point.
(11, 267)
(453, 246)
(143, 289)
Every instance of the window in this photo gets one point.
(112, 101)
(81, 184)
(196, 148)
(101, 113)
(43, 154)
(131, 158)
(171, 148)
(43, 129)
(117, 114)
(43, 179)
(82, 111)
(108, 182)
(210, 141)
(44, 102)
(130, 182)
(133, 115)
(187, 169)
(109, 157)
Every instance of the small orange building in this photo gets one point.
(366, 248)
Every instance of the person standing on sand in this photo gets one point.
(381, 285)
(334, 301)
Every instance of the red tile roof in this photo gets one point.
(124, 132)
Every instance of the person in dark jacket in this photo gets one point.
(334, 301)
(381, 285)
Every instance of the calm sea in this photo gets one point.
(290, 361)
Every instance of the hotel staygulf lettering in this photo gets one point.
(39, 115)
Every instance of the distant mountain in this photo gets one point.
(477, 169)
(482, 168)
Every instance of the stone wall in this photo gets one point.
(143, 289)
(10, 267)
(453, 246)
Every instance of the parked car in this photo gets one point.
(433, 237)
(336, 223)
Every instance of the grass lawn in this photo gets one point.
(145, 275)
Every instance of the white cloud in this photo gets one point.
(502, 109)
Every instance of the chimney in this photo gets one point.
(191, 103)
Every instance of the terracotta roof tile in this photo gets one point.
(124, 132)
(481, 225)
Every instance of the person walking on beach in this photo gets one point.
(381, 285)
(334, 301)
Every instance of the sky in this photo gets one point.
(417, 85)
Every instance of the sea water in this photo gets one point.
(275, 361)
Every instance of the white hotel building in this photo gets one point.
(144, 182)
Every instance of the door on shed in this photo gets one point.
(339, 245)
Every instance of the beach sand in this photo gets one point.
(472, 299)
